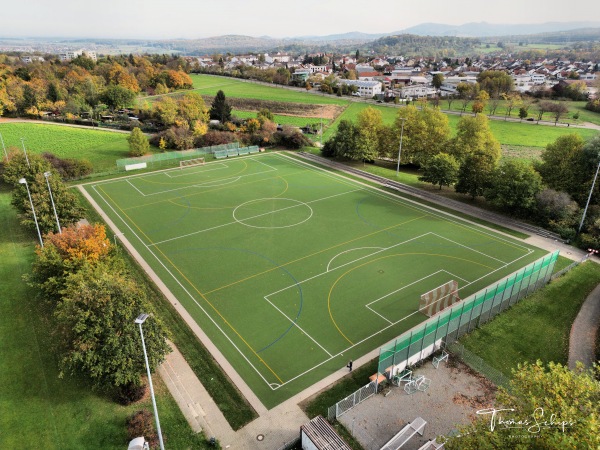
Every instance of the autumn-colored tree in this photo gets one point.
(369, 123)
(426, 133)
(65, 253)
(473, 134)
(547, 407)
(191, 108)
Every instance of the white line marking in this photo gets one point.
(248, 218)
(182, 287)
(469, 248)
(351, 250)
(296, 325)
(131, 184)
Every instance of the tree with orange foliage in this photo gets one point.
(66, 253)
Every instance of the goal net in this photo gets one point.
(440, 298)
(191, 162)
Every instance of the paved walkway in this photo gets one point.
(582, 341)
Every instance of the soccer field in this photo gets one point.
(292, 270)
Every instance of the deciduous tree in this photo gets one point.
(551, 406)
(441, 170)
(138, 143)
(514, 187)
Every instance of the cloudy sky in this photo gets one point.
(190, 19)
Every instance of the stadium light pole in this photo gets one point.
(589, 197)
(25, 151)
(140, 320)
(46, 175)
(403, 119)
(4, 147)
(24, 181)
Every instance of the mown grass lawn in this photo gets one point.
(39, 409)
(101, 148)
(538, 327)
(233, 87)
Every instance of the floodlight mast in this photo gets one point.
(140, 320)
(25, 151)
(46, 175)
(37, 226)
(4, 147)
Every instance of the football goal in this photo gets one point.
(191, 162)
(440, 298)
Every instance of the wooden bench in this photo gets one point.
(405, 434)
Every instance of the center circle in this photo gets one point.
(272, 213)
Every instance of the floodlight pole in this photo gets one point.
(4, 147)
(400, 149)
(24, 181)
(25, 151)
(589, 198)
(140, 320)
(46, 175)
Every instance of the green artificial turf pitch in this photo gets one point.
(292, 270)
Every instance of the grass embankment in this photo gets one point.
(295, 121)
(39, 409)
(537, 327)
(102, 148)
(234, 406)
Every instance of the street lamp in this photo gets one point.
(589, 198)
(47, 174)
(4, 147)
(25, 151)
(400, 149)
(24, 181)
(140, 320)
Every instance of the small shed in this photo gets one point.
(318, 434)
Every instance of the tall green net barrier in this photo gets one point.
(172, 158)
(462, 317)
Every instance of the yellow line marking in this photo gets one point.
(312, 254)
(195, 288)
(377, 259)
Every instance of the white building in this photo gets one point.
(72, 54)
(365, 88)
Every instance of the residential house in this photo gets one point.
(365, 88)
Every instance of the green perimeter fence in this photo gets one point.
(169, 159)
(463, 317)
(447, 326)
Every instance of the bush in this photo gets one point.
(69, 169)
(290, 138)
(141, 423)
(215, 138)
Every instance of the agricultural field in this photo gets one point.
(101, 148)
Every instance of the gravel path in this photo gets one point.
(582, 342)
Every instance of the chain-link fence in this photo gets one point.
(478, 364)
(352, 400)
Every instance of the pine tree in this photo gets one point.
(220, 110)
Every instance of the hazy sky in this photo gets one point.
(189, 19)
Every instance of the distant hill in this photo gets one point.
(352, 36)
(484, 29)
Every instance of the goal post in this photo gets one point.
(191, 162)
(440, 298)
